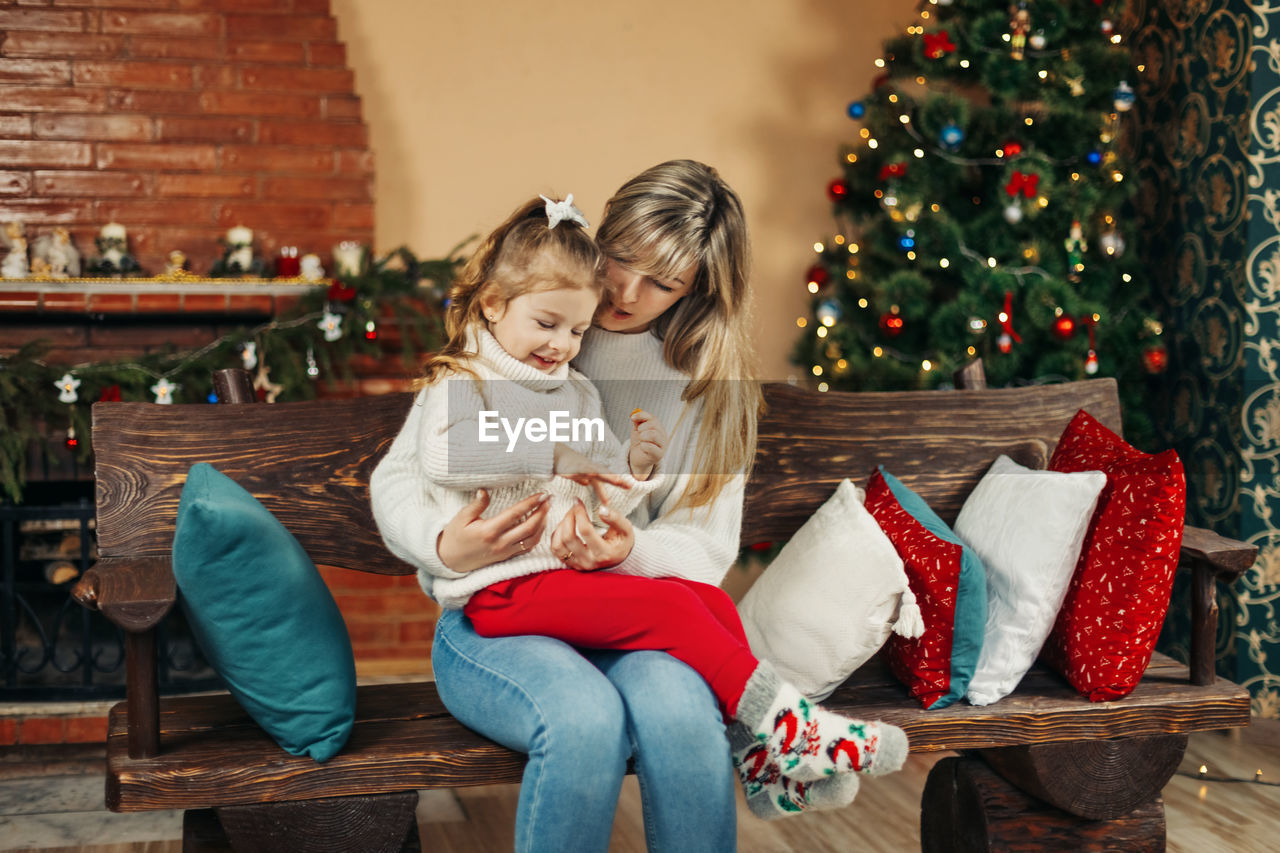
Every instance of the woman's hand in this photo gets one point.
(469, 542)
(580, 546)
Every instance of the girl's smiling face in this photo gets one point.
(543, 328)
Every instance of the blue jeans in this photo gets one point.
(578, 715)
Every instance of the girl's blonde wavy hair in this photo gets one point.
(522, 255)
(670, 218)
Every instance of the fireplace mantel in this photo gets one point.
(151, 296)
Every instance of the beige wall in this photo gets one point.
(476, 105)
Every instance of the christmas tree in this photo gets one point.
(982, 210)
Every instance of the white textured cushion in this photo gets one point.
(829, 600)
(1028, 527)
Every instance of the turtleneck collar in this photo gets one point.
(508, 367)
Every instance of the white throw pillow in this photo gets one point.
(829, 599)
(1028, 527)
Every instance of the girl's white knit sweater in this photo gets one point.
(629, 371)
(439, 459)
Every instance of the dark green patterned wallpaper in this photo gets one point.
(1208, 143)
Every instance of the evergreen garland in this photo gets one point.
(398, 288)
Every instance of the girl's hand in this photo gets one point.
(469, 542)
(572, 465)
(580, 546)
(648, 444)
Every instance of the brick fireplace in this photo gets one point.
(180, 119)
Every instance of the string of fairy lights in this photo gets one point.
(1029, 184)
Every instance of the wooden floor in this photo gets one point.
(1203, 816)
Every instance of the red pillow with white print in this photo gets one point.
(1116, 604)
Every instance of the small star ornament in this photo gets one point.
(67, 386)
(331, 325)
(164, 391)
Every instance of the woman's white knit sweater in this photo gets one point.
(440, 458)
(629, 371)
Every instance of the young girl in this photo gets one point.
(516, 292)
(516, 318)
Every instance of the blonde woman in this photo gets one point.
(671, 338)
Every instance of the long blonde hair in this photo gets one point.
(670, 218)
(522, 255)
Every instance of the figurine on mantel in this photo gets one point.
(15, 261)
(113, 248)
(238, 259)
(55, 255)
(311, 270)
(176, 266)
(348, 259)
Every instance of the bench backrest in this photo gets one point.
(938, 443)
(309, 463)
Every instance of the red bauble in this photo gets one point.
(837, 189)
(892, 324)
(1004, 343)
(339, 292)
(818, 275)
(1064, 327)
(1155, 358)
(1012, 148)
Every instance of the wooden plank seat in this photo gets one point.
(309, 463)
(405, 739)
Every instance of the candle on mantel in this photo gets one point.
(288, 265)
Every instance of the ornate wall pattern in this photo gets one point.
(1208, 143)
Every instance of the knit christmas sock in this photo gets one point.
(770, 795)
(808, 741)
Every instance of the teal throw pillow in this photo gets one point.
(263, 616)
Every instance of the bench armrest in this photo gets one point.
(134, 593)
(1210, 558)
(1228, 558)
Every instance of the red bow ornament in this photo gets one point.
(938, 45)
(1024, 183)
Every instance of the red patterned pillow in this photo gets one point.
(1118, 597)
(950, 585)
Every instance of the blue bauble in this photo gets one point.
(951, 136)
(907, 241)
(857, 109)
(828, 309)
(1095, 157)
(1123, 97)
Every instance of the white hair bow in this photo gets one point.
(558, 211)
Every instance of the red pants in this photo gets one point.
(693, 622)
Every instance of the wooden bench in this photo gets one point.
(1040, 764)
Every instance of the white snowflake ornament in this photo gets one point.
(331, 325)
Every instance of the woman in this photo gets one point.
(671, 337)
